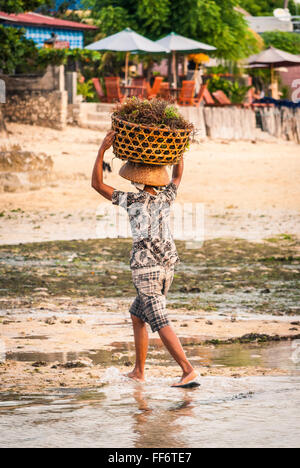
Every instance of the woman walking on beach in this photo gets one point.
(154, 254)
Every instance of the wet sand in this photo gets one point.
(59, 307)
(41, 355)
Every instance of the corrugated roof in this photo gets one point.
(41, 20)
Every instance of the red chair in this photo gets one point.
(139, 87)
(208, 99)
(200, 97)
(153, 92)
(222, 99)
(139, 82)
(164, 92)
(99, 90)
(113, 91)
(187, 93)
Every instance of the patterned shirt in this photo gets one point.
(149, 217)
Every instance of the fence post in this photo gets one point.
(71, 86)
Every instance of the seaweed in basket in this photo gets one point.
(154, 113)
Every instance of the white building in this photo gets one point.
(261, 24)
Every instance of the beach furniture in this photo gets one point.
(207, 97)
(141, 82)
(99, 90)
(177, 44)
(113, 90)
(153, 92)
(201, 95)
(164, 91)
(187, 93)
(127, 41)
(222, 99)
(139, 87)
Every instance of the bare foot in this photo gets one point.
(135, 376)
(186, 378)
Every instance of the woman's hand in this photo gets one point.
(108, 141)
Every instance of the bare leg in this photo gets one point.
(173, 345)
(141, 341)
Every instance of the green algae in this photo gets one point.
(264, 275)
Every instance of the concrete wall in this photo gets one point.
(227, 123)
(230, 123)
(289, 77)
(52, 80)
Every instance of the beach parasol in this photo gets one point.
(176, 43)
(127, 41)
(272, 58)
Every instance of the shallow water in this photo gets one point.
(223, 412)
(276, 355)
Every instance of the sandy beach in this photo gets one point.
(247, 190)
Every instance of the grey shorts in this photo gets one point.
(152, 285)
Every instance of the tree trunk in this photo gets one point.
(286, 3)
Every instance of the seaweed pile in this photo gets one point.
(154, 113)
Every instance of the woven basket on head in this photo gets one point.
(148, 145)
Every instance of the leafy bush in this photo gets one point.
(287, 41)
(15, 49)
(86, 89)
(235, 91)
(20, 55)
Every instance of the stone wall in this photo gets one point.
(44, 108)
(23, 170)
(37, 99)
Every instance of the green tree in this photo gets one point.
(15, 49)
(145, 16)
(18, 6)
(152, 17)
(217, 23)
(265, 7)
(111, 20)
(290, 42)
(213, 21)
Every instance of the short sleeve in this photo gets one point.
(170, 193)
(126, 199)
(117, 197)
